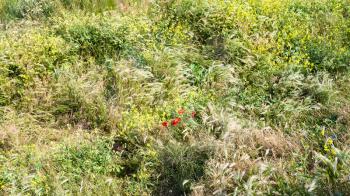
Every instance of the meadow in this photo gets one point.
(174, 97)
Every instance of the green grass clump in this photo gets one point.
(100, 39)
(181, 166)
(41, 9)
(26, 9)
(210, 97)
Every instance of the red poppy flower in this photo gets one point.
(181, 111)
(175, 121)
(165, 124)
(193, 114)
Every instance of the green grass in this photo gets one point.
(90, 90)
(41, 9)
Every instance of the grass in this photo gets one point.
(184, 97)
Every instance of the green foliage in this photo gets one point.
(89, 5)
(19, 9)
(93, 36)
(74, 102)
(39, 9)
(90, 89)
(27, 59)
(181, 166)
(207, 20)
(95, 157)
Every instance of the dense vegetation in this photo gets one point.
(174, 97)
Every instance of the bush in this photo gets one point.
(94, 36)
(207, 20)
(27, 59)
(95, 157)
(327, 57)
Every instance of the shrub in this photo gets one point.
(94, 36)
(82, 159)
(26, 59)
(207, 20)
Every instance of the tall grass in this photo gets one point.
(40, 9)
(184, 97)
